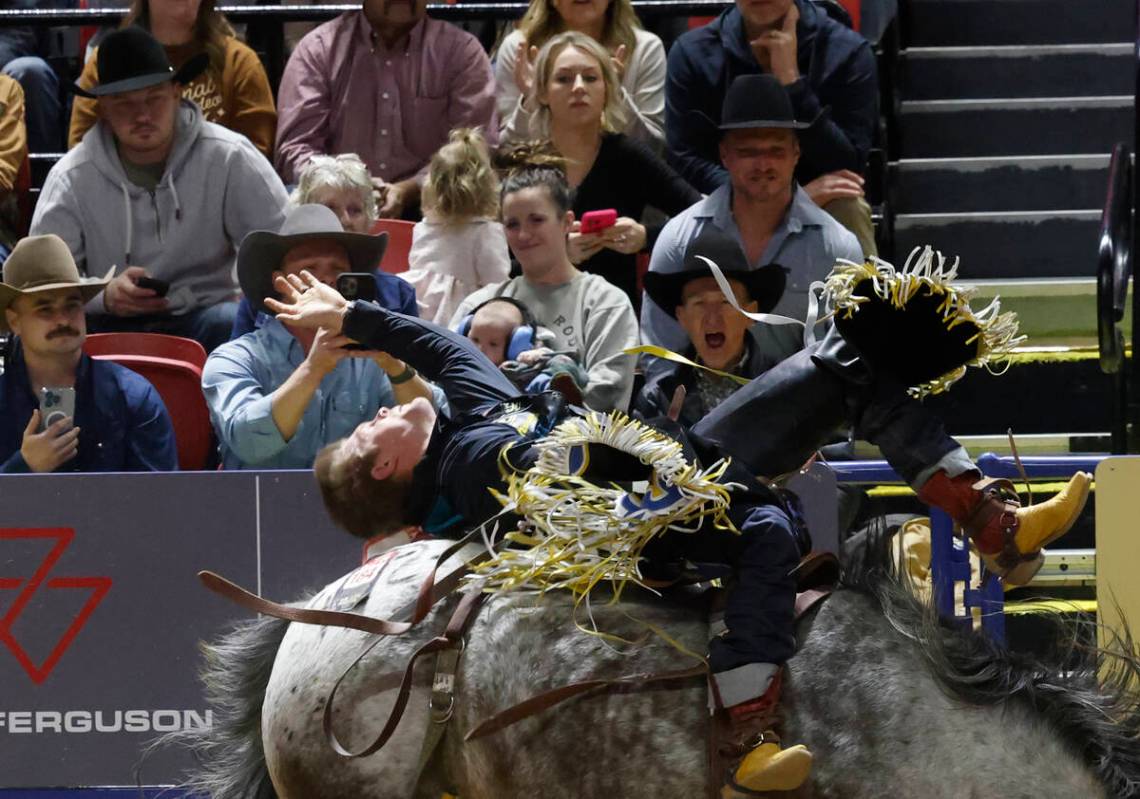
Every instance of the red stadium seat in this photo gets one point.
(173, 366)
(395, 258)
(154, 344)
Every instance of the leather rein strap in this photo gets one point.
(452, 638)
(805, 602)
(555, 696)
(430, 592)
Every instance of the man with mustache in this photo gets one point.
(120, 423)
(388, 83)
(160, 194)
(761, 207)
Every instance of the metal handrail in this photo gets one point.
(1114, 260)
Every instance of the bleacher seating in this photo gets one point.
(399, 232)
(173, 365)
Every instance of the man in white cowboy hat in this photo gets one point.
(161, 195)
(279, 394)
(120, 423)
(761, 207)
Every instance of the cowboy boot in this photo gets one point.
(1008, 537)
(761, 764)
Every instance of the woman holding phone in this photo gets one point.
(579, 107)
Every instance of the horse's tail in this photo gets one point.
(230, 753)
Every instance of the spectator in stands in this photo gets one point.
(13, 151)
(460, 245)
(342, 184)
(119, 423)
(591, 319)
(761, 207)
(160, 193)
(232, 91)
(578, 102)
(22, 53)
(637, 57)
(730, 348)
(506, 332)
(386, 82)
(829, 73)
(279, 394)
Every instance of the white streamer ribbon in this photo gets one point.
(771, 318)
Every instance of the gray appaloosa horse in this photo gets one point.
(891, 702)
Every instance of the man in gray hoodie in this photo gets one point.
(162, 195)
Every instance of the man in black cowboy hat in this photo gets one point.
(725, 341)
(762, 208)
(119, 422)
(161, 195)
(279, 394)
(822, 64)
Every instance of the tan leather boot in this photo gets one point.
(761, 763)
(1009, 537)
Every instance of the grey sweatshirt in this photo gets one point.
(216, 188)
(590, 318)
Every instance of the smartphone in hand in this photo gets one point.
(56, 404)
(159, 287)
(597, 221)
(356, 286)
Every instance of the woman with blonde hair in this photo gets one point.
(341, 183)
(233, 91)
(459, 246)
(579, 112)
(637, 56)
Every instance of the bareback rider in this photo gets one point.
(412, 466)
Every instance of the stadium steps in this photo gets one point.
(1008, 110)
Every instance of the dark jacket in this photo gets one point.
(767, 346)
(451, 485)
(123, 424)
(837, 71)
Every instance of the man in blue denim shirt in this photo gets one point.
(828, 71)
(120, 423)
(279, 394)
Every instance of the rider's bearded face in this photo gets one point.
(395, 440)
(716, 329)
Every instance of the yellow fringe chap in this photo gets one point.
(577, 538)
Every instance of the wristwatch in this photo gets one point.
(404, 376)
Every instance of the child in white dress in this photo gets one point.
(459, 246)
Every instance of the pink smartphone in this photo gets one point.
(597, 221)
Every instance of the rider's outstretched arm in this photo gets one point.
(470, 381)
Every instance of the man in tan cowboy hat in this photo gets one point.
(119, 422)
(279, 394)
(160, 194)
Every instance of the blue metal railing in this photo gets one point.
(949, 555)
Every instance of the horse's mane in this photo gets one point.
(1090, 696)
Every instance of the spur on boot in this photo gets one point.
(762, 764)
(1009, 538)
